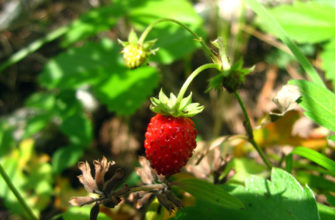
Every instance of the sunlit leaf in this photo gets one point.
(208, 192)
(83, 65)
(318, 103)
(125, 91)
(93, 22)
(307, 22)
(281, 198)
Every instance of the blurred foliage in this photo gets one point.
(90, 63)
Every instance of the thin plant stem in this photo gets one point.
(196, 36)
(150, 188)
(192, 76)
(18, 196)
(249, 131)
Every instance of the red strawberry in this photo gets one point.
(170, 136)
(169, 143)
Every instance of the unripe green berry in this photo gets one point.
(134, 55)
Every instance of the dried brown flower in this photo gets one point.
(105, 189)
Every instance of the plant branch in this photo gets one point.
(149, 188)
(192, 76)
(248, 128)
(17, 194)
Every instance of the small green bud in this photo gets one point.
(134, 55)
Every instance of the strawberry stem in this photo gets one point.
(191, 77)
(249, 131)
(197, 37)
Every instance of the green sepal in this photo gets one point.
(132, 37)
(231, 79)
(170, 106)
(122, 43)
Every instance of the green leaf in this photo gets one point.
(78, 128)
(306, 22)
(332, 137)
(82, 213)
(36, 124)
(270, 23)
(328, 57)
(317, 182)
(326, 213)
(124, 92)
(318, 103)
(93, 22)
(312, 155)
(281, 198)
(31, 175)
(66, 157)
(170, 36)
(208, 192)
(245, 168)
(91, 63)
(7, 141)
(331, 199)
(39, 100)
(99, 65)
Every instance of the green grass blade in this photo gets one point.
(32, 47)
(273, 25)
(311, 155)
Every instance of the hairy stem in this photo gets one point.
(197, 37)
(249, 131)
(18, 196)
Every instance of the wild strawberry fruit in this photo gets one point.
(170, 136)
(135, 52)
(169, 143)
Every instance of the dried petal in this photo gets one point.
(81, 200)
(86, 179)
(286, 98)
(145, 172)
(101, 168)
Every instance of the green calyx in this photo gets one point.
(231, 79)
(175, 107)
